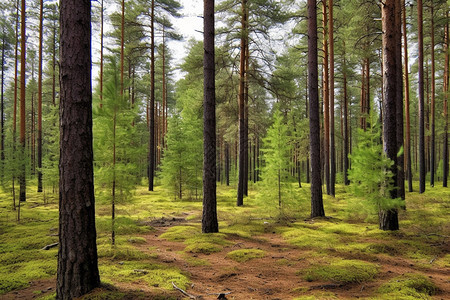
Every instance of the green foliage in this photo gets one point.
(117, 154)
(342, 271)
(408, 286)
(371, 171)
(243, 255)
(181, 169)
(276, 186)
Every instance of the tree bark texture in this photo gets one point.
(446, 88)
(326, 100)
(39, 131)
(433, 104)
(22, 174)
(399, 101)
(388, 219)
(317, 209)
(407, 114)
(242, 140)
(331, 90)
(422, 166)
(77, 257)
(151, 152)
(209, 219)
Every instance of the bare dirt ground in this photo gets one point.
(271, 277)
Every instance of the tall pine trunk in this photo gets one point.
(433, 104)
(317, 209)
(446, 89)
(209, 219)
(326, 101)
(39, 131)
(388, 217)
(399, 101)
(242, 152)
(2, 112)
(22, 174)
(407, 114)
(152, 156)
(331, 90)
(422, 170)
(77, 272)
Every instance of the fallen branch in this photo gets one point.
(48, 247)
(183, 292)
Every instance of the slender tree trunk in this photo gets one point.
(242, 169)
(421, 99)
(326, 101)
(113, 200)
(407, 115)
(346, 133)
(331, 91)
(151, 158)
(101, 52)
(314, 122)
(16, 62)
(446, 89)
(209, 219)
(122, 46)
(77, 257)
(399, 102)
(54, 68)
(39, 133)
(388, 218)
(164, 91)
(2, 112)
(246, 140)
(22, 179)
(433, 105)
(227, 163)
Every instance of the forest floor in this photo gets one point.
(160, 252)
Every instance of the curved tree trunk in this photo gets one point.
(77, 257)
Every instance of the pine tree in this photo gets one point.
(277, 150)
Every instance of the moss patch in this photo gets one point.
(243, 255)
(342, 271)
(408, 286)
(203, 247)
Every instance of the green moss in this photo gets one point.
(195, 261)
(342, 271)
(137, 240)
(180, 233)
(408, 286)
(243, 255)
(203, 247)
(120, 252)
(310, 238)
(10, 283)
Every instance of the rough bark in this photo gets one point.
(209, 219)
(446, 88)
(2, 107)
(326, 101)
(317, 209)
(433, 105)
(421, 99)
(242, 160)
(331, 90)
(39, 131)
(388, 219)
(345, 119)
(399, 101)
(151, 152)
(77, 272)
(407, 114)
(22, 174)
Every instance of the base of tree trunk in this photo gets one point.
(388, 219)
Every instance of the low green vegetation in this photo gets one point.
(408, 286)
(243, 255)
(342, 271)
(344, 248)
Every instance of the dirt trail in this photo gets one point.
(274, 276)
